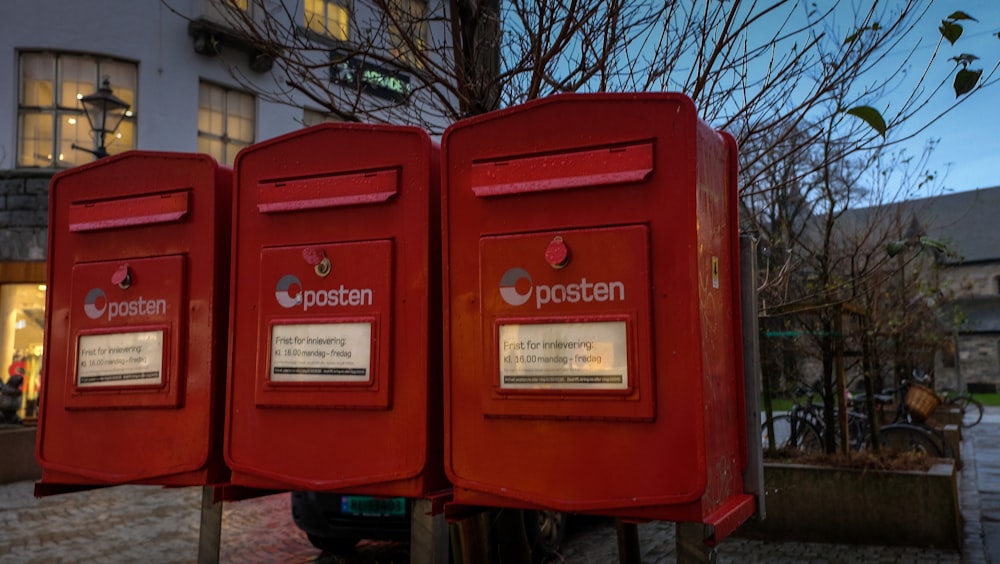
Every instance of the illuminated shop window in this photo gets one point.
(22, 325)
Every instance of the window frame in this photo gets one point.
(346, 5)
(397, 46)
(55, 113)
(230, 145)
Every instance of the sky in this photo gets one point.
(968, 149)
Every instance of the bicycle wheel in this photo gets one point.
(782, 426)
(972, 410)
(903, 437)
(808, 437)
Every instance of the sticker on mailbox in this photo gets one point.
(321, 352)
(564, 356)
(120, 359)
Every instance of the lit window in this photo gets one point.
(50, 117)
(225, 122)
(407, 29)
(327, 17)
(21, 340)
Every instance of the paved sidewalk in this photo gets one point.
(158, 525)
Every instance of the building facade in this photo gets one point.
(967, 222)
(192, 82)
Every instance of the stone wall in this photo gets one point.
(971, 280)
(979, 360)
(24, 215)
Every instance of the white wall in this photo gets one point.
(145, 31)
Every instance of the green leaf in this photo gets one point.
(966, 80)
(950, 31)
(927, 242)
(960, 15)
(871, 116)
(895, 247)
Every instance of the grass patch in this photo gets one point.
(779, 404)
(988, 399)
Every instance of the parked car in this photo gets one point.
(335, 523)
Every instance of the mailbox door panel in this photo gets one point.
(366, 416)
(567, 309)
(135, 341)
(328, 326)
(626, 178)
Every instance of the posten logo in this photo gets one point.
(96, 305)
(290, 293)
(508, 286)
(580, 291)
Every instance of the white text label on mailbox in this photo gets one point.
(564, 356)
(321, 352)
(120, 359)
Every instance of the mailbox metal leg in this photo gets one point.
(691, 547)
(428, 535)
(629, 551)
(210, 529)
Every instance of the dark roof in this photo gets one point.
(969, 222)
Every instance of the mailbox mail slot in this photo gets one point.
(135, 330)
(335, 369)
(592, 327)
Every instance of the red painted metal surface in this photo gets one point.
(335, 364)
(135, 340)
(592, 330)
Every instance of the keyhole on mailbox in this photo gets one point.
(318, 259)
(557, 255)
(122, 277)
(323, 268)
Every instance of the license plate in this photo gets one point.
(373, 506)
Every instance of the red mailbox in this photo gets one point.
(593, 358)
(135, 334)
(335, 364)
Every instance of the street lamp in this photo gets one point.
(105, 112)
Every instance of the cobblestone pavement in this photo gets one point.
(159, 525)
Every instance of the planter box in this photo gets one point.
(843, 505)
(17, 455)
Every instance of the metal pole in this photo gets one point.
(428, 535)
(629, 551)
(691, 547)
(959, 386)
(210, 529)
(753, 477)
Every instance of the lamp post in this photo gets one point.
(105, 112)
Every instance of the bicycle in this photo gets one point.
(908, 431)
(804, 427)
(971, 408)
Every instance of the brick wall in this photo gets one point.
(24, 209)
